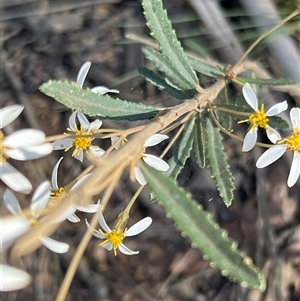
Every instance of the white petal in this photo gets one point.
(73, 218)
(40, 198)
(108, 246)
(139, 176)
(14, 179)
(90, 208)
(95, 232)
(139, 227)
(277, 109)
(295, 170)
(123, 249)
(250, 97)
(11, 202)
(24, 138)
(82, 73)
(12, 279)
(79, 155)
(295, 118)
(30, 152)
(96, 150)
(83, 121)
(114, 139)
(103, 223)
(66, 215)
(72, 121)
(156, 162)
(11, 228)
(54, 183)
(270, 156)
(103, 90)
(9, 114)
(80, 181)
(155, 139)
(249, 140)
(62, 143)
(272, 134)
(95, 125)
(54, 245)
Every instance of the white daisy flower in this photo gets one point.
(113, 239)
(12, 279)
(38, 203)
(151, 160)
(259, 119)
(83, 137)
(81, 76)
(290, 143)
(27, 144)
(57, 191)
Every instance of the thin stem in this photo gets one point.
(63, 291)
(263, 35)
(173, 140)
(232, 135)
(221, 109)
(128, 207)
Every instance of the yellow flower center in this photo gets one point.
(293, 142)
(33, 221)
(82, 142)
(114, 237)
(2, 148)
(56, 196)
(259, 118)
(55, 193)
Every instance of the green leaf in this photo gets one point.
(266, 81)
(205, 68)
(158, 22)
(183, 151)
(278, 123)
(224, 119)
(92, 104)
(163, 64)
(199, 227)
(158, 81)
(199, 142)
(217, 162)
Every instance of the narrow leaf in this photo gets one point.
(217, 162)
(92, 104)
(198, 226)
(205, 68)
(267, 81)
(182, 152)
(163, 64)
(278, 123)
(158, 81)
(199, 142)
(158, 22)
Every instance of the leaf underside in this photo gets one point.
(199, 227)
(161, 30)
(87, 102)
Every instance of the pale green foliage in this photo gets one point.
(87, 102)
(161, 30)
(182, 151)
(198, 226)
(217, 162)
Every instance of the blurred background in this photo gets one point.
(42, 40)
